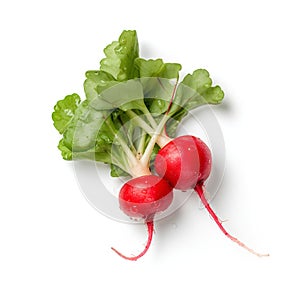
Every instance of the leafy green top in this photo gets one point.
(128, 101)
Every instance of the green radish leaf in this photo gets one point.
(64, 111)
(157, 68)
(196, 90)
(120, 56)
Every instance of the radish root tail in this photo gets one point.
(200, 192)
(150, 226)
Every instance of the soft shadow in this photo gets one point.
(146, 50)
(225, 106)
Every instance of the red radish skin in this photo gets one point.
(143, 197)
(185, 163)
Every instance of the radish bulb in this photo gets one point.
(143, 197)
(185, 163)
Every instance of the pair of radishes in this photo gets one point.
(183, 163)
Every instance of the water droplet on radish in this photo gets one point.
(207, 194)
(156, 204)
(174, 225)
(136, 219)
(134, 208)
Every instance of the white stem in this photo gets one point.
(141, 145)
(139, 170)
(146, 156)
(131, 158)
(150, 119)
(162, 139)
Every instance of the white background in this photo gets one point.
(54, 245)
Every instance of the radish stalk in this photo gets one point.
(150, 118)
(141, 145)
(136, 168)
(160, 127)
(146, 156)
(162, 138)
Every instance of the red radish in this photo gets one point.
(143, 197)
(186, 163)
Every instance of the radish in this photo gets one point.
(131, 105)
(185, 163)
(143, 197)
